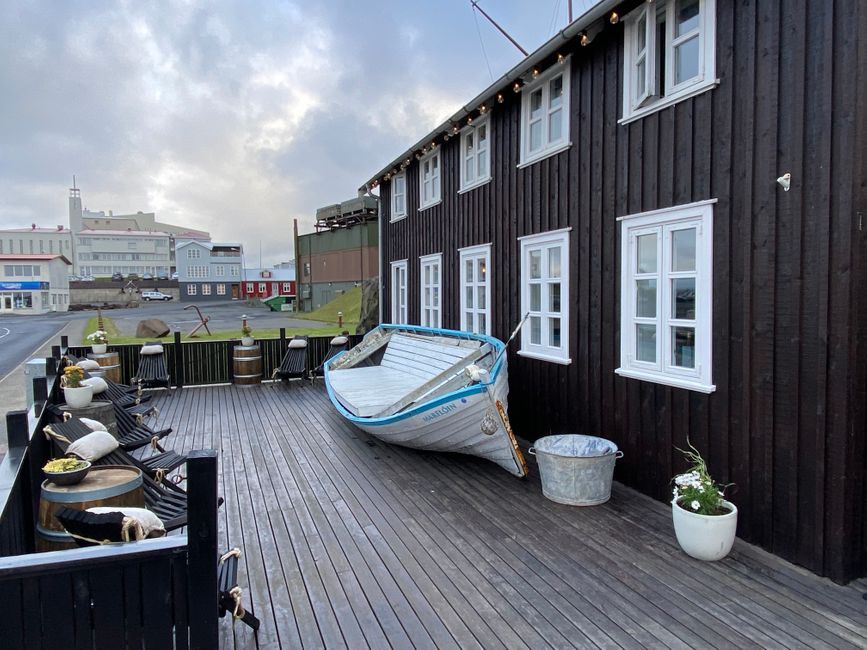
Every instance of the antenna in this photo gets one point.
(73, 181)
(475, 4)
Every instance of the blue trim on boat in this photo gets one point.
(467, 391)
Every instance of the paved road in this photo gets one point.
(21, 336)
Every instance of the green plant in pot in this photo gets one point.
(246, 332)
(75, 394)
(66, 471)
(704, 522)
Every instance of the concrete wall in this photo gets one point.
(85, 293)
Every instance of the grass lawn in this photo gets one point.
(349, 303)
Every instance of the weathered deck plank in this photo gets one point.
(350, 542)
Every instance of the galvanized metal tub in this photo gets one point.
(576, 470)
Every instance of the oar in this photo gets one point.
(511, 338)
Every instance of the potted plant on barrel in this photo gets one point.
(704, 522)
(98, 341)
(76, 395)
(246, 332)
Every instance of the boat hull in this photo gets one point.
(453, 423)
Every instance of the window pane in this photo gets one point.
(468, 267)
(535, 264)
(469, 142)
(647, 253)
(483, 134)
(683, 347)
(427, 274)
(535, 135)
(645, 298)
(483, 324)
(535, 297)
(554, 297)
(555, 126)
(468, 316)
(436, 297)
(556, 94)
(427, 296)
(640, 80)
(481, 296)
(641, 33)
(686, 60)
(483, 163)
(535, 330)
(482, 269)
(683, 298)
(469, 294)
(683, 250)
(436, 273)
(645, 343)
(435, 163)
(554, 332)
(554, 262)
(535, 102)
(687, 16)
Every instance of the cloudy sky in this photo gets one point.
(234, 117)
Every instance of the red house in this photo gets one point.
(264, 283)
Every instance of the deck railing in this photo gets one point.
(148, 593)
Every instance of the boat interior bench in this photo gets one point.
(409, 363)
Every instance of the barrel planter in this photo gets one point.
(107, 485)
(99, 410)
(247, 364)
(109, 363)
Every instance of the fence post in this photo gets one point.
(18, 438)
(55, 351)
(64, 343)
(17, 431)
(202, 548)
(282, 342)
(50, 366)
(178, 371)
(230, 357)
(40, 395)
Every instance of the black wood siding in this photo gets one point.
(786, 423)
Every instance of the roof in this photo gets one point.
(208, 244)
(503, 84)
(12, 257)
(277, 275)
(42, 231)
(130, 233)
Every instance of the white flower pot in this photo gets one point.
(78, 397)
(705, 537)
(99, 348)
(247, 340)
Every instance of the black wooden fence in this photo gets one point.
(158, 593)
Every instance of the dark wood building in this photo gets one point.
(676, 195)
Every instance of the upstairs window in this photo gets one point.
(398, 197)
(431, 273)
(666, 294)
(475, 156)
(545, 296)
(545, 114)
(669, 54)
(429, 179)
(193, 253)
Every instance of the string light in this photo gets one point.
(500, 98)
(585, 39)
(483, 109)
(614, 18)
(534, 72)
(516, 86)
(561, 58)
(455, 129)
(446, 137)
(433, 145)
(469, 121)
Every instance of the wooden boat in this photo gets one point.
(425, 388)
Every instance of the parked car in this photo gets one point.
(117, 277)
(175, 275)
(87, 278)
(133, 276)
(74, 278)
(162, 275)
(147, 276)
(147, 296)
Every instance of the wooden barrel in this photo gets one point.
(99, 410)
(247, 364)
(105, 485)
(110, 365)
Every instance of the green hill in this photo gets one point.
(349, 303)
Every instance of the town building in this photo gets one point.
(209, 271)
(265, 283)
(34, 284)
(674, 192)
(36, 241)
(340, 255)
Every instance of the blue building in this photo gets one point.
(208, 271)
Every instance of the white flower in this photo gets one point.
(694, 505)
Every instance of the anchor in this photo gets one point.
(202, 318)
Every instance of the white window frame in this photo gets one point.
(475, 254)
(431, 311)
(221, 289)
(399, 280)
(637, 104)
(193, 253)
(206, 289)
(543, 83)
(662, 222)
(432, 176)
(192, 290)
(263, 287)
(472, 161)
(398, 208)
(249, 287)
(544, 350)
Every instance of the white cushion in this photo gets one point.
(150, 523)
(93, 425)
(339, 340)
(98, 384)
(88, 365)
(294, 344)
(93, 446)
(152, 349)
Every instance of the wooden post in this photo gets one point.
(178, 370)
(230, 358)
(18, 438)
(40, 394)
(55, 351)
(282, 343)
(202, 548)
(64, 343)
(18, 435)
(50, 366)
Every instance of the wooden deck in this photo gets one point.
(349, 542)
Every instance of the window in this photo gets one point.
(665, 293)
(475, 156)
(193, 253)
(545, 296)
(219, 270)
(262, 287)
(235, 271)
(84, 241)
(287, 288)
(41, 246)
(398, 292)
(429, 179)
(131, 245)
(249, 287)
(191, 290)
(431, 285)
(221, 289)
(545, 114)
(206, 289)
(398, 198)
(476, 289)
(50, 246)
(669, 54)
